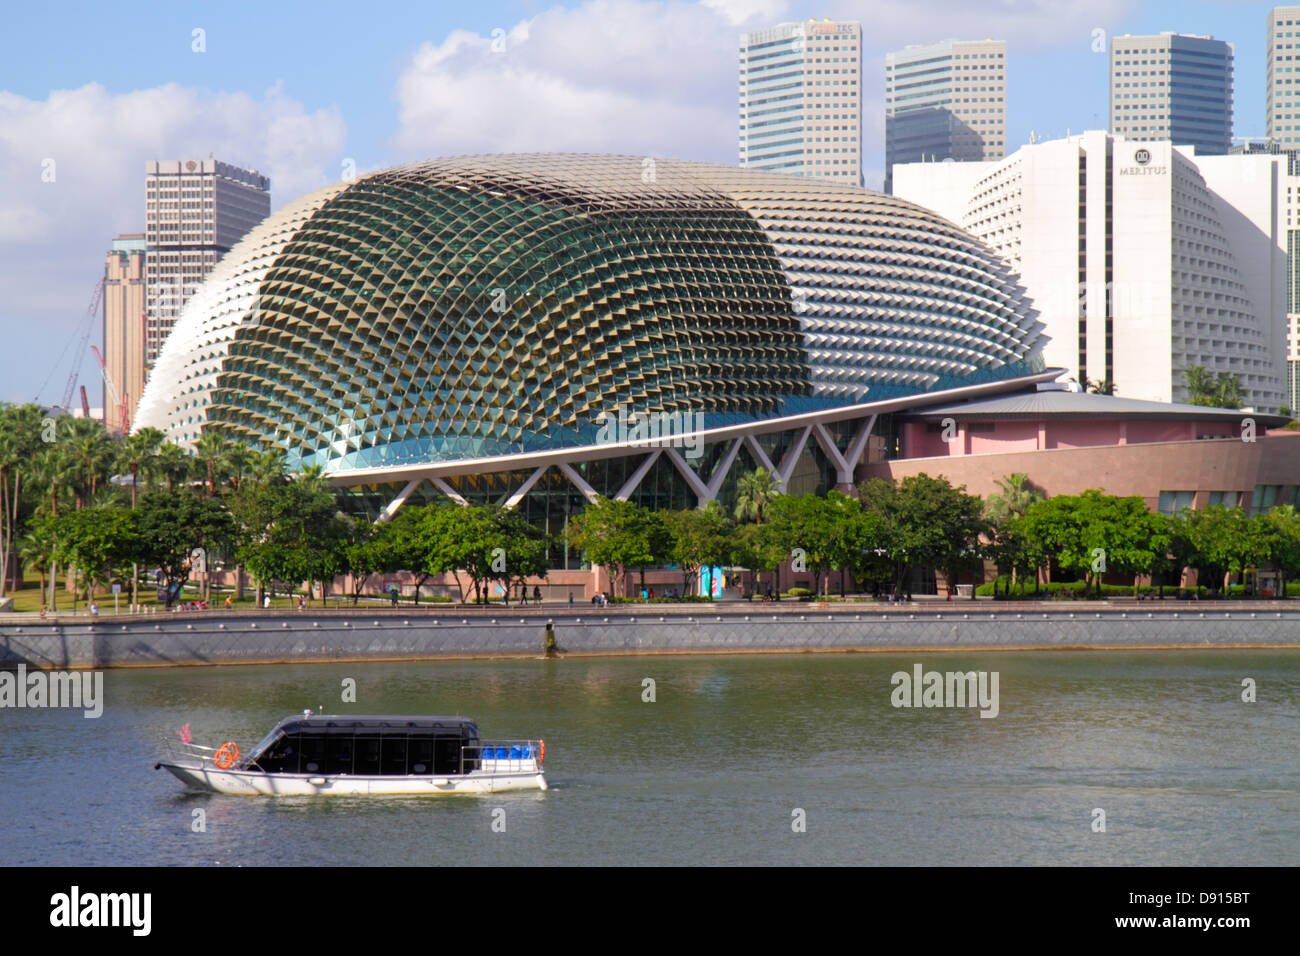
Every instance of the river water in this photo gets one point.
(713, 771)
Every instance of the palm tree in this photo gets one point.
(90, 447)
(269, 466)
(754, 490)
(19, 437)
(137, 455)
(173, 465)
(37, 552)
(1016, 496)
(239, 461)
(210, 452)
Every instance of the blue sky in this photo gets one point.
(298, 89)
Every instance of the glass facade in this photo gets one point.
(487, 306)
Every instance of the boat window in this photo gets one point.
(446, 755)
(280, 756)
(313, 753)
(367, 754)
(338, 754)
(420, 754)
(394, 755)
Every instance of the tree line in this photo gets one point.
(72, 498)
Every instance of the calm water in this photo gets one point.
(708, 773)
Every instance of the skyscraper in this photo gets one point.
(1172, 87)
(1282, 77)
(124, 330)
(801, 99)
(945, 100)
(195, 210)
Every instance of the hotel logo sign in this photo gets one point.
(1142, 158)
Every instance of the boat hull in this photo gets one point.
(207, 778)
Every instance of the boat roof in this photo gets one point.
(337, 723)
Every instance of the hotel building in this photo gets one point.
(801, 100)
(945, 101)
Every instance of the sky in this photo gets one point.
(306, 92)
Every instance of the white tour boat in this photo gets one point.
(351, 756)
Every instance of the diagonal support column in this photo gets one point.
(698, 486)
(396, 503)
(724, 466)
(579, 482)
(844, 463)
(791, 458)
(523, 489)
(449, 491)
(637, 476)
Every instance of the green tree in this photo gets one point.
(698, 537)
(97, 541)
(1280, 528)
(20, 438)
(619, 535)
(1094, 533)
(923, 522)
(289, 531)
(1215, 541)
(173, 526)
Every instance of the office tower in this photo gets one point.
(801, 99)
(1172, 87)
(945, 100)
(1282, 77)
(1142, 258)
(195, 210)
(124, 330)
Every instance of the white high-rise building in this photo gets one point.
(946, 100)
(1143, 258)
(801, 99)
(195, 211)
(1172, 87)
(1282, 77)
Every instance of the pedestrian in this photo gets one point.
(570, 603)
(94, 609)
(537, 594)
(266, 601)
(301, 602)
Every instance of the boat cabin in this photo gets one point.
(369, 746)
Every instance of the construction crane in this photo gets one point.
(80, 350)
(119, 400)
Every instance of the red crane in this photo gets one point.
(119, 400)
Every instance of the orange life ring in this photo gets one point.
(542, 755)
(226, 755)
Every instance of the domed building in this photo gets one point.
(537, 329)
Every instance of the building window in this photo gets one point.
(1172, 502)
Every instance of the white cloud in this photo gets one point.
(741, 12)
(611, 75)
(54, 235)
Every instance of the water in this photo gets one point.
(710, 772)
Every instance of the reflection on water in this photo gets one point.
(710, 771)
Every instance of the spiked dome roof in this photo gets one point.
(487, 305)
